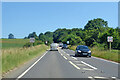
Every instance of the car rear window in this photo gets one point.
(82, 47)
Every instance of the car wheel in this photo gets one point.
(89, 56)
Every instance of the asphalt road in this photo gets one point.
(63, 64)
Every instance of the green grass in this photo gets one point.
(13, 43)
(15, 57)
(112, 55)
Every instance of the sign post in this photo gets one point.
(32, 40)
(110, 39)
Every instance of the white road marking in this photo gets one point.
(113, 77)
(68, 54)
(61, 54)
(89, 65)
(74, 65)
(99, 77)
(90, 77)
(65, 57)
(74, 58)
(105, 60)
(30, 67)
(88, 69)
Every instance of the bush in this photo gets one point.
(100, 46)
(37, 43)
(28, 44)
(33, 44)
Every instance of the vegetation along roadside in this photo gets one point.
(14, 57)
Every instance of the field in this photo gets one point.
(112, 55)
(14, 55)
(13, 43)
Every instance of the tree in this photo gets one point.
(96, 24)
(33, 35)
(10, 36)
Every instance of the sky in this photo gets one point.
(22, 18)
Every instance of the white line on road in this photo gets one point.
(90, 77)
(89, 65)
(74, 58)
(74, 65)
(61, 54)
(30, 67)
(88, 69)
(65, 57)
(68, 54)
(114, 77)
(99, 77)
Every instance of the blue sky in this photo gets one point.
(23, 18)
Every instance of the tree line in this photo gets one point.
(95, 33)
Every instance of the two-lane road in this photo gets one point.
(63, 64)
(53, 65)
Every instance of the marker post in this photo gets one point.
(110, 39)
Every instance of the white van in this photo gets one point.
(54, 46)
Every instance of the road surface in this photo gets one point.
(63, 64)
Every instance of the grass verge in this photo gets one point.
(113, 55)
(13, 43)
(15, 57)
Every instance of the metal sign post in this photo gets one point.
(110, 39)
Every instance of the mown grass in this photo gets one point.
(113, 55)
(14, 57)
(13, 43)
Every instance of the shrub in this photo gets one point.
(28, 44)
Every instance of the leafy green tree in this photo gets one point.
(33, 35)
(96, 24)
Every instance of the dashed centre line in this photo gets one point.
(61, 54)
(65, 57)
(68, 54)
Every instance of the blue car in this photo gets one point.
(82, 50)
(64, 46)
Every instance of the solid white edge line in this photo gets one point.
(105, 60)
(65, 57)
(74, 65)
(89, 65)
(30, 67)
